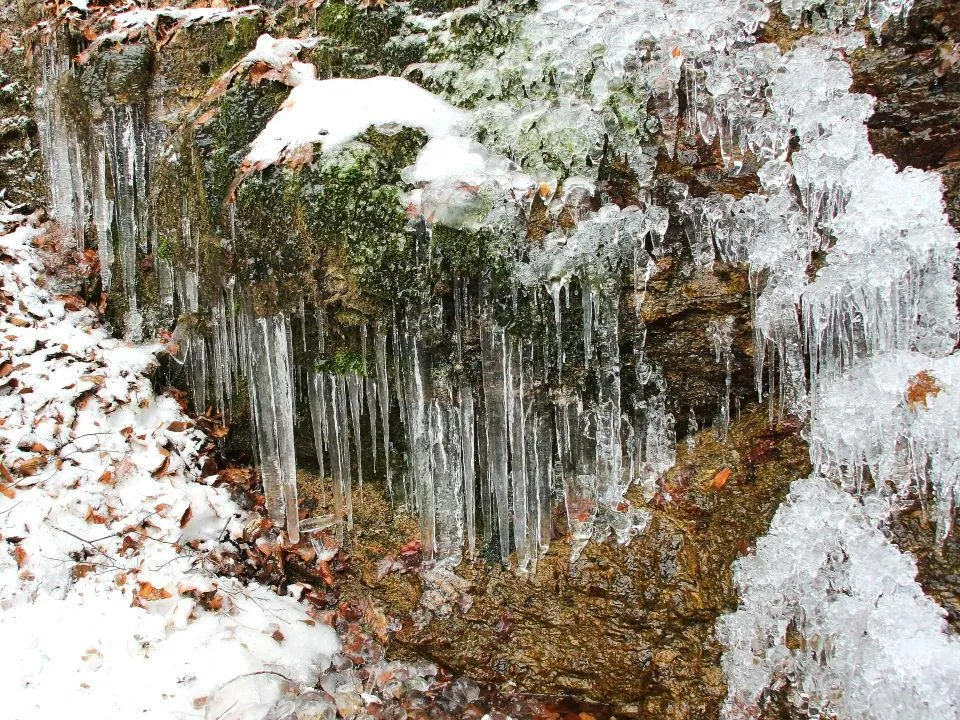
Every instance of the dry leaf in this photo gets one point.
(31, 466)
(161, 468)
(187, 514)
(179, 426)
(919, 387)
(146, 591)
(95, 517)
(720, 479)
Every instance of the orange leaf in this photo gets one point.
(720, 479)
(95, 517)
(31, 466)
(146, 591)
(179, 426)
(919, 387)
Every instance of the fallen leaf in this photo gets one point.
(187, 514)
(277, 635)
(919, 387)
(71, 302)
(81, 570)
(30, 466)
(96, 518)
(179, 426)
(146, 591)
(161, 468)
(20, 555)
(720, 479)
(18, 321)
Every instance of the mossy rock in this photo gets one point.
(198, 54)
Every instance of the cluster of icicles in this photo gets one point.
(485, 462)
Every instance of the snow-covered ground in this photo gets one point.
(108, 604)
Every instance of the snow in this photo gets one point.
(108, 604)
(338, 110)
(142, 17)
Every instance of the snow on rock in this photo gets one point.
(335, 111)
(142, 17)
(107, 605)
(831, 612)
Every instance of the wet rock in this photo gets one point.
(21, 171)
(915, 75)
(630, 627)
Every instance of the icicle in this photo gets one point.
(380, 352)
(420, 421)
(465, 398)
(341, 485)
(494, 368)
(586, 297)
(271, 404)
(353, 394)
(518, 454)
(609, 452)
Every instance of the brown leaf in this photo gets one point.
(20, 555)
(107, 478)
(39, 448)
(161, 468)
(179, 426)
(187, 514)
(71, 302)
(130, 544)
(81, 570)
(30, 466)
(83, 398)
(6, 367)
(98, 380)
(720, 479)
(277, 635)
(146, 591)
(18, 321)
(919, 387)
(96, 518)
(7, 492)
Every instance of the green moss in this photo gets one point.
(342, 362)
(199, 53)
(363, 43)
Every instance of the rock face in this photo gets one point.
(21, 172)
(914, 73)
(628, 626)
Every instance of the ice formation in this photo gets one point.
(489, 446)
(830, 612)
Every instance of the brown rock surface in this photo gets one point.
(630, 626)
